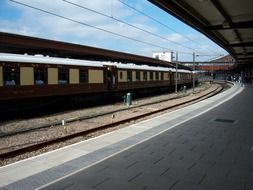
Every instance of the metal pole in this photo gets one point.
(212, 71)
(171, 56)
(193, 76)
(176, 72)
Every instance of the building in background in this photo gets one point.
(165, 56)
(224, 59)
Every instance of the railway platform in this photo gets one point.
(207, 145)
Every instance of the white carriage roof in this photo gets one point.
(144, 67)
(47, 60)
(180, 70)
(5, 57)
(137, 67)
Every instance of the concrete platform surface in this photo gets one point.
(208, 145)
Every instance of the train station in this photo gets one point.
(198, 136)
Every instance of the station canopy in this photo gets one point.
(229, 23)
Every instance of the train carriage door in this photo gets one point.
(111, 77)
(171, 76)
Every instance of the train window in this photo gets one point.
(63, 76)
(83, 74)
(156, 75)
(11, 75)
(138, 75)
(162, 76)
(121, 75)
(145, 75)
(151, 76)
(40, 75)
(129, 76)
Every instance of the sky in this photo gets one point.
(129, 31)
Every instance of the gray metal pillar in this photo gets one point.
(176, 72)
(193, 76)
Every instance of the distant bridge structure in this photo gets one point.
(211, 66)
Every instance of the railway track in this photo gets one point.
(81, 117)
(40, 145)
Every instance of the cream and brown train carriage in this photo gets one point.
(26, 76)
(134, 77)
(184, 77)
(131, 76)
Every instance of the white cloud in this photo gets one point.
(176, 37)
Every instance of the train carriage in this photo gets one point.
(28, 76)
(130, 76)
(23, 76)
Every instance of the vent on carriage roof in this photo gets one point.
(224, 120)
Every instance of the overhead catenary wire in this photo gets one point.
(131, 25)
(89, 25)
(159, 22)
(95, 27)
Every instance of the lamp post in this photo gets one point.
(212, 71)
(172, 57)
(176, 72)
(193, 76)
